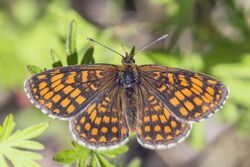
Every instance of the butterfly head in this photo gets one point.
(128, 59)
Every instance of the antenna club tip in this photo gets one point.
(164, 36)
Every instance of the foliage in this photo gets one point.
(16, 147)
(85, 157)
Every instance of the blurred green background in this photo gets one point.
(204, 35)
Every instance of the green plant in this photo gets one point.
(16, 147)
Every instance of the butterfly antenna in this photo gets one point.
(152, 43)
(92, 40)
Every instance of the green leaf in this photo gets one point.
(103, 162)
(16, 148)
(66, 157)
(34, 69)
(136, 162)
(88, 56)
(72, 57)
(114, 153)
(7, 128)
(55, 61)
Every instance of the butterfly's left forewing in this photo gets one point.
(64, 92)
(189, 95)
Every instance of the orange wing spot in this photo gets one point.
(197, 114)
(54, 84)
(83, 135)
(183, 111)
(163, 119)
(151, 98)
(94, 131)
(146, 119)
(169, 137)
(92, 140)
(70, 109)
(59, 87)
(49, 105)
(56, 111)
(166, 112)
(34, 90)
(158, 137)
(92, 115)
(170, 78)
(204, 98)
(48, 95)
(154, 118)
(212, 105)
(167, 129)
(114, 139)
(68, 89)
(42, 85)
(211, 82)
(147, 128)
(107, 99)
(103, 139)
(65, 102)
(114, 119)
(196, 81)
(162, 88)
(92, 86)
(184, 83)
(124, 131)
(205, 108)
(104, 103)
(156, 75)
(189, 105)
(41, 101)
(106, 119)
(98, 74)
(80, 99)
(157, 128)
(177, 132)
(217, 97)
(75, 93)
(186, 92)
(174, 101)
(173, 124)
(91, 108)
(197, 88)
(82, 120)
(84, 76)
(102, 109)
(157, 108)
(98, 120)
(41, 76)
(71, 78)
(195, 91)
(179, 95)
(198, 101)
(56, 77)
(210, 90)
(87, 126)
(154, 102)
(148, 138)
(56, 98)
(104, 130)
(208, 96)
(78, 128)
(114, 129)
(138, 131)
(44, 91)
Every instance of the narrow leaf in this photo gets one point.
(55, 61)
(71, 44)
(103, 162)
(7, 128)
(66, 157)
(136, 162)
(114, 153)
(30, 132)
(34, 69)
(88, 56)
(3, 162)
(26, 144)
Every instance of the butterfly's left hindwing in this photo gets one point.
(64, 92)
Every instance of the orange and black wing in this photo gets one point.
(189, 95)
(66, 91)
(157, 127)
(102, 125)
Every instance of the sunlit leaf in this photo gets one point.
(72, 56)
(88, 56)
(34, 69)
(55, 61)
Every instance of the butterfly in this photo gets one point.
(104, 103)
